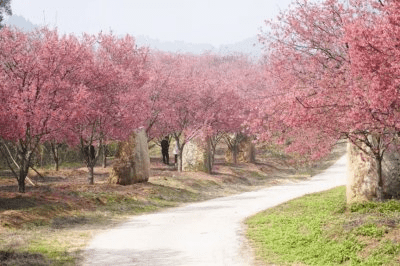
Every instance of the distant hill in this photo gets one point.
(249, 46)
(175, 47)
(20, 22)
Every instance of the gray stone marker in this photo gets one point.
(362, 180)
(132, 164)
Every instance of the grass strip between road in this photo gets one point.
(320, 229)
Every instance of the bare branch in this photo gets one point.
(37, 172)
(9, 155)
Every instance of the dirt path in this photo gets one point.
(205, 233)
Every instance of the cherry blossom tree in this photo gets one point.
(317, 95)
(175, 92)
(374, 49)
(36, 91)
(65, 89)
(109, 100)
(184, 112)
(229, 80)
(156, 89)
(199, 97)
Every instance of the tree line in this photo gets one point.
(85, 91)
(330, 70)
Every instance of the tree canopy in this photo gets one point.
(333, 67)
(330, 71)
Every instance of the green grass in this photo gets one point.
(53, 251)
(371, 230)
(375, 207)
(319, 229)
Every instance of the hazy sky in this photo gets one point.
(197, 21)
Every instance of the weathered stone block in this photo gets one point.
(195, 156)
(132, 163)
(362, 182)
(391, 174)
(362, 178)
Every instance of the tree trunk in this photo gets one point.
(91, 175)
(23, 172)
(209, 157)
(21, 181)
(252, 153)
(41, 154)
(180, 153)
(379, 189)
(104, 153)
(104, 162)
(56, 155)
(90, 155)
(234, 154)
(180, 161)
(56, 159)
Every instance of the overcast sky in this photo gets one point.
(196, 21)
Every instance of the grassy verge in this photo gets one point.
(319, 229)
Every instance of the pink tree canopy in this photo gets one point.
(316, 58)
(78, 90)
(197, 96)
(109, 103)
(36, 90)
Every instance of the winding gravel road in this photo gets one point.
(205, 233)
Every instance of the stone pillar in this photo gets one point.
(362, 177)
(362, 180)
(195, 156)
(132, 163)
(391, 174)
(141, 158)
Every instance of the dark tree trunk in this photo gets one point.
(379, 192)
(234, 154)
(23, 171)
(180, 153)
(90, 155)
(209, 156)
(104, 162)
(90, 175)
(56, 159)
(104, 153)
(233, 145)
(56, 164)
(180, 160)
(21, 181)
(56, 155)
(90, 163)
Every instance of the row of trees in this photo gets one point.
(64, 89)
(90, 90)
(198, 96)
(333, 71)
